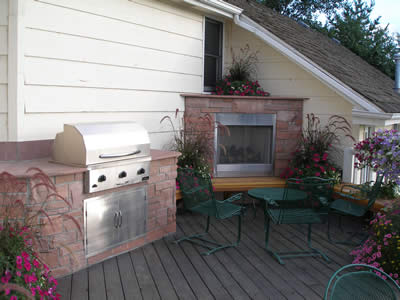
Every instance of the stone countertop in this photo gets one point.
(20, 168)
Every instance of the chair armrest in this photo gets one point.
(349, 196)
(270, 201)
(234, 198)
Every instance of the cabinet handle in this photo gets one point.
(116, 219)
(120, 219)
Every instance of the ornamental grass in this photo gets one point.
(22, 216)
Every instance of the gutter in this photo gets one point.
(215, 6)
(378, 119)
(304, 62)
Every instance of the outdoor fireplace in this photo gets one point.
(244, 145)
(264, 131)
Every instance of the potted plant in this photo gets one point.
(240, 80)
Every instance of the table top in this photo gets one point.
(277, 194)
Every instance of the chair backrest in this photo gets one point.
(196, 190)
(319, 190)
(358, 281)
(372, 195)
(301, 195)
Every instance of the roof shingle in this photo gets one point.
(336, 59)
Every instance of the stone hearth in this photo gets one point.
(288, 111)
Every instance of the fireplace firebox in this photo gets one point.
(244, 145)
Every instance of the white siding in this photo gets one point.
(3, 68)
(281, 77)
(102, 60)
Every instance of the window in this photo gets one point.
(396, 126)
(212, 54)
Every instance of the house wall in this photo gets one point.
(102, 60)
(3, 69)
(280, 76)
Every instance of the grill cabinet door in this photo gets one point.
(133, 208)
(101, 223)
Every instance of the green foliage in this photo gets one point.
(241, 73)
(305, 10)
(244, 65)
(311, 158)
(194, 140)
(355, 29)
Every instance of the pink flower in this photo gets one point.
(13, 298)
(8, 291)
(19, 266)
(19, 260)
(317, 174)
(33, 291)
(18, 273)
(36, 263)
(325, 156)
(27, 266)
(4, 279)
(25, 255)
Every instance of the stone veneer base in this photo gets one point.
(288, 111)
(63, 231)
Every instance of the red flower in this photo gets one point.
(317, 174)
(325, 156)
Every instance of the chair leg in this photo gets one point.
(266, 230)
(196, 236)
(222, 246)
(213, 246)
(292, 254)
(349, 241)
(317, 251)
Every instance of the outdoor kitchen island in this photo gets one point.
(62, 243)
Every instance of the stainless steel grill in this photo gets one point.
(116, 154)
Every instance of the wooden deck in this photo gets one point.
(165, 270)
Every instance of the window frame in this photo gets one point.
(220, 58)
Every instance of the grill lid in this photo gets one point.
(94, 143)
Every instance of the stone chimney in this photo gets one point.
(397, 61)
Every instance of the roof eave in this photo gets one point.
(306, 63)
(215, 6)
(375, 119)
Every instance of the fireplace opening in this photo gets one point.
(247, 147)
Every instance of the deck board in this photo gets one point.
(166, 270)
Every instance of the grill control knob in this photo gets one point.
(102, 178)
(141, 171)
(122, 174)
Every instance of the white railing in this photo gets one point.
(350, 173)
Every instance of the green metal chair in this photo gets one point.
(342, 207)
(198, 197)
(303, 202)
(361, 282)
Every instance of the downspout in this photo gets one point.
(397, 74)
(397, 61)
